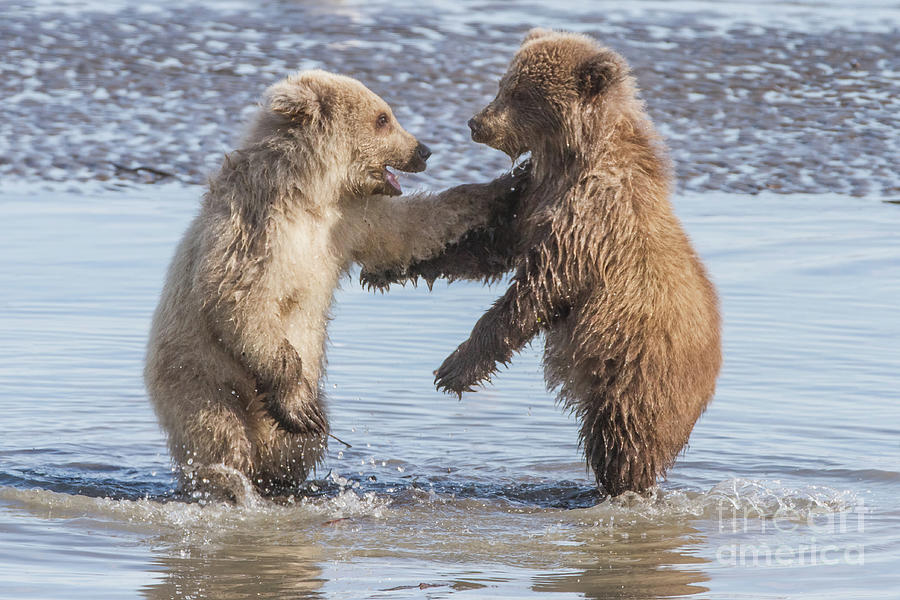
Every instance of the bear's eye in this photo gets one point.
(381, 121)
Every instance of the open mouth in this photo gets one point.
(391, 180)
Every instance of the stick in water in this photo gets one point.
(334, 437)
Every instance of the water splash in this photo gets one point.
(738, 497)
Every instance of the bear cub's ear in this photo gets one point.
(297, 100)
(598, 73)
(535, 33)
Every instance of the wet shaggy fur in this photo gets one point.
(602, 265)
(236, 351)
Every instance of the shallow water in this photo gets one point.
(789, 487)
(799, 448)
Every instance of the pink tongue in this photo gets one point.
(391, 179)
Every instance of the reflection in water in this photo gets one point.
(539, 552)
(633, 561)
(239, 565)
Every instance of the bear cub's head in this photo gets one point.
(351, 127)
(553, 79)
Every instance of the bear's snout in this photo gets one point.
(423, 152)
(416, 161)
(477, 127)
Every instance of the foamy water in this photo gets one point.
(783, 124)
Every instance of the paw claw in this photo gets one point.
(312, 422)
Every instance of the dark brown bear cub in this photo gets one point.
(602, 265)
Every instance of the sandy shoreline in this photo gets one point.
(126, 95)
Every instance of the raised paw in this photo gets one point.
(456, 375)
(307, 418)
(310, 422)
(380, 280)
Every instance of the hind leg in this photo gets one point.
(619, 465)
(217, 483)
(618, 434)
(213, 454)
(623, 443)
(281, 460)
(207, 436)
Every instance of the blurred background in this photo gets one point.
(790, 97)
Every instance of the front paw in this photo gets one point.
(458, 373)
(380, 280)
(298, 417)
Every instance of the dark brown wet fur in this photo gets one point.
(602, 265)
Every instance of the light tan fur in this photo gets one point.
(236, 350)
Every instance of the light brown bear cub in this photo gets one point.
(236, 350)
(602, 265)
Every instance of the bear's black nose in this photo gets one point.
(423, 151)
(477, 128)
